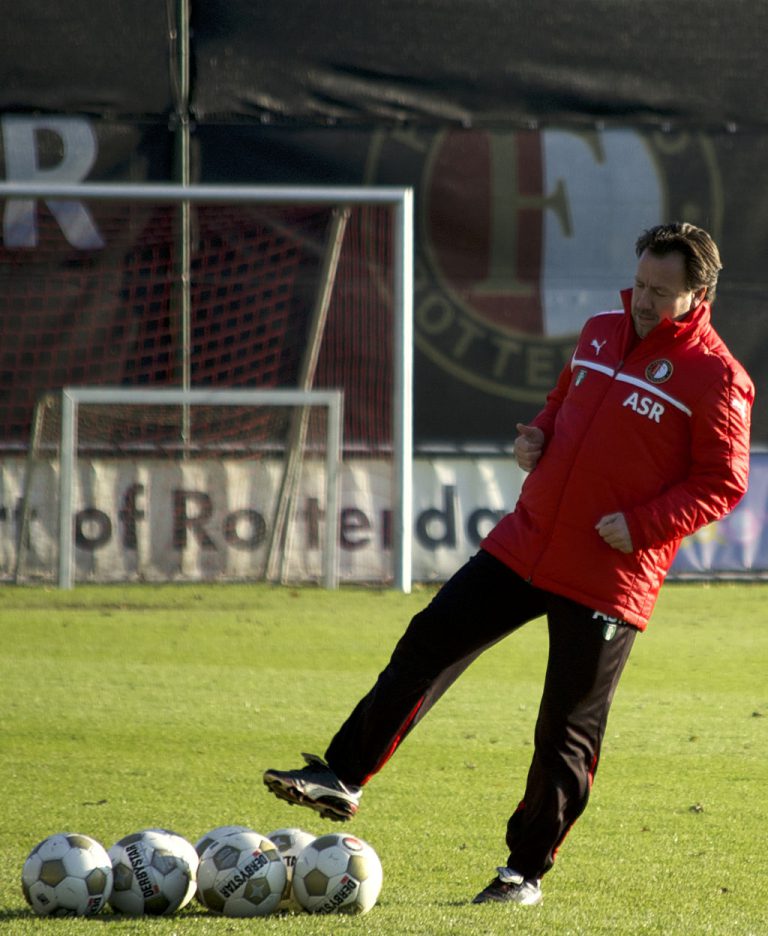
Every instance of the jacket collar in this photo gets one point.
(689, 326)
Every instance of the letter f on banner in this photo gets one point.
(22, 164)
(508, 200)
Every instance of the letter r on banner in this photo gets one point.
(22, 164)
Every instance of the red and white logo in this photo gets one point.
(659, 371)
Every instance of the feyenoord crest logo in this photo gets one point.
(512, 255)
(659, 371)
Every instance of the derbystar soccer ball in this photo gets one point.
(290, 842)
(205, 841)
(241, 875)
(67, 875)
(337, 874)
(155, 872)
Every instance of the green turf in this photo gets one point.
(129, 707)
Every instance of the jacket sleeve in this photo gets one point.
(719, 470)
(545, 420)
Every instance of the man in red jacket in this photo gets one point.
(644, 439)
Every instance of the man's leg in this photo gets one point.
(483, 602)
(587, 655)
(478, 606)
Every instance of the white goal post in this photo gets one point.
(73, 397)
(399, 200)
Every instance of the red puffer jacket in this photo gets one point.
(657, 429)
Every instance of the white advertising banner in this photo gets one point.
(159, 521)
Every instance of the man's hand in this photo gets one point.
(528, 446)
(614, 530)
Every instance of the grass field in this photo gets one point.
(129, 707)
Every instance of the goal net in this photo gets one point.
(248, 289)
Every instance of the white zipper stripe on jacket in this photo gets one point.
(634, 381)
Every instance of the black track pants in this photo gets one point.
(586, 659)
(483, 602)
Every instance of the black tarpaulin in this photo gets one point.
(483, 61)
(114, 60)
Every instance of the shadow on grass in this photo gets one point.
(104, 916)
(26, 914)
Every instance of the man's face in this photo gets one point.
(660, 291)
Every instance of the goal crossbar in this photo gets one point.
(73, 397)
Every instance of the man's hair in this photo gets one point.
(700, 253)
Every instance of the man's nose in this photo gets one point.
(644, 298)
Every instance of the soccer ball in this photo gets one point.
(67, 875)
(218, 833)
(337, 874)
(205, 841)
(154, 873)
(289, 842)
(241, 875)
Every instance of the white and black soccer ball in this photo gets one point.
(241, 875)
(290, 842)
(154, 872)
(67, 875)
(186, 850)
(337, 873)
(210, 838)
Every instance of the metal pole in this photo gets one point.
(332, 487)
(281, 528)
(403, 401)
(213, 194)
(183, 169)
(42, 407)
(66, 487)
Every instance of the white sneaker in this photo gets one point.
(509, 886)
(316, 786)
